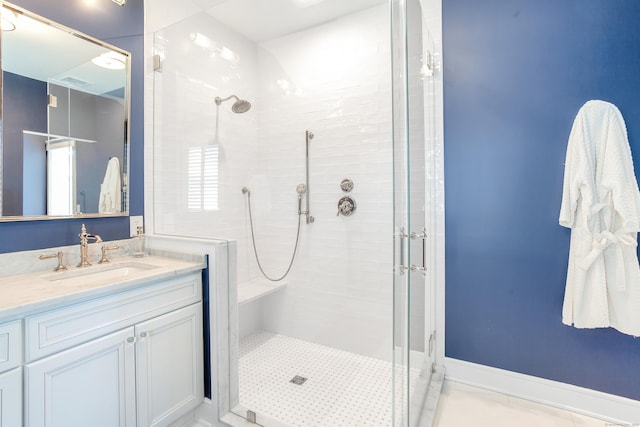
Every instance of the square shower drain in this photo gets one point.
(298, 380)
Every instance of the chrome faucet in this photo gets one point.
(84, 240)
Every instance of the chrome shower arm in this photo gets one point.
(219, 100)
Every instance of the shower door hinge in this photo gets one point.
(432, 340)
(423, 236)
(251, 417)
(157, 63)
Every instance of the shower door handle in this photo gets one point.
(402, 268)
(421, 235)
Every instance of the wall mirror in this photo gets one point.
(65, 115)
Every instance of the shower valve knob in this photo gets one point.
(346, 206)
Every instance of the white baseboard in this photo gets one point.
(593, 403)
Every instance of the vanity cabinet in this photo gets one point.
(129, 359)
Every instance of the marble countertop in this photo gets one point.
(23, 294)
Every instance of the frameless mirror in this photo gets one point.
(65, 106)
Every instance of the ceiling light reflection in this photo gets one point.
(305, 3)
(110, 60)
(223, 52)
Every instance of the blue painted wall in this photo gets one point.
(515, 74)
(122, 27)
(24, 107)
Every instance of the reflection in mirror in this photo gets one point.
(65, 121)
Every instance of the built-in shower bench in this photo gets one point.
(254, 289)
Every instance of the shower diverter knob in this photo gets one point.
(346, 206)
(346, 185)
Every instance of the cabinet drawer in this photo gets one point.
(49, 332)
(10, 345)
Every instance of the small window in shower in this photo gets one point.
(61, 170)
(202, 182)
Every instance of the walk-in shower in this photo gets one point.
(341, 332)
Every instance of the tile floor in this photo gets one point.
(349, 390)
(462, 405)
(342, 389)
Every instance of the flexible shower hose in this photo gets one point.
(255, 249)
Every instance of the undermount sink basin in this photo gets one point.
(98, 273)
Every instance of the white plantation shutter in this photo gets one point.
(61, 178)
(202, 181)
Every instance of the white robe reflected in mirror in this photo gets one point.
(111, 189)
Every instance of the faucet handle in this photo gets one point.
(58, 255)
(104, 259)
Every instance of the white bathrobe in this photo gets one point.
(601, 205)
(111, 189)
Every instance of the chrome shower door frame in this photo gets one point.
(413, 325)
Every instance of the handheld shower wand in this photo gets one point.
(301, 189)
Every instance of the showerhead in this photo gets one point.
(301, 189)
(240, 106)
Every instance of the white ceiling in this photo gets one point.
(261, 20)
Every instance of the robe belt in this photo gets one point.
(602, 241)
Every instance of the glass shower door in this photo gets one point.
(413, 336)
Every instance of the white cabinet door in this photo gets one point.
(169, 366)
(92, 384)
(11, 398)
